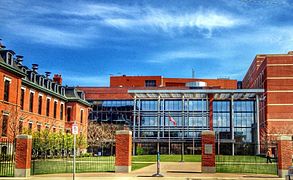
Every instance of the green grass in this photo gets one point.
(247, 168)
(93, 164)
(6, 169)
(224, 163)
(166, 158)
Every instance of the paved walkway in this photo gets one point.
(170, 170)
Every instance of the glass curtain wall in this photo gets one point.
(112, 111)
(191, 117)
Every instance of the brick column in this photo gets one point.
(208, 163)
(23, 156)
(285, 152)
(123, 151)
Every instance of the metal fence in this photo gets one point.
(61, 161)
(7, 158)
(244, 162)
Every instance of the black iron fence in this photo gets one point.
(60, 160)
(7, 158)
(244, 162)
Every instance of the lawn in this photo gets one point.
(224, 163)
(84, 164)
(6, 169)
(166, 158)
(93, 164)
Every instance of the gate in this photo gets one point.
(244, 160)
(7, 158)
(60, 160)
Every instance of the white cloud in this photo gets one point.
(167, 21)
(178, 55)
(49, 35)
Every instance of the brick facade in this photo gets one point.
(48, 95)
(274, 74)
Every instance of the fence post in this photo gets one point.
(123, 151)
(285, 152)
(208, 162)
(23, 155)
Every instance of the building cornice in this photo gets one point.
(52, 93)
(12, 69)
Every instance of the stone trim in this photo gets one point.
(24, 136)
(124, 132)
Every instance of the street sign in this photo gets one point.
(74, 129)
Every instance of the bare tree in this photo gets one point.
(15, 116)
(102, 134)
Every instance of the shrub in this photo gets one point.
(139, 151)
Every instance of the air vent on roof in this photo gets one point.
(290, 52)
(196, 85)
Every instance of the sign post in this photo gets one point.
(74, 132)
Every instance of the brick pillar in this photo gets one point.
(123, 151)
(208, 163)
(285, 152)
(211, 100)
(23, 156)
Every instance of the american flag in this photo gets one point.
(172, 120)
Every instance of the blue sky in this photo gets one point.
(86, 41)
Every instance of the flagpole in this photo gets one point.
(169, 134)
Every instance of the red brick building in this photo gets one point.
(274, 74)
(33, 102)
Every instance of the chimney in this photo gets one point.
(1, 45)
(47, 74)
(57, 79)
(290, 52)
(19, 59)
(35, 67)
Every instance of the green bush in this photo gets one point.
(139, 151)
(86, 155)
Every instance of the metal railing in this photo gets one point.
(7, 158)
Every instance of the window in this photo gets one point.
(31, 101)
(40, 104)
(68, 114)
(54, 129)
(150, 83)
(61, 111)
(20, 126)
(9, 58)
(39, 127)
(48, 107)
(6, 89)
(55, 109)
(81, 115)
(30, 127)
(4, 125)
(22, 99)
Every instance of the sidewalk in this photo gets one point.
(170, 170)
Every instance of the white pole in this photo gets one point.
(74, 152)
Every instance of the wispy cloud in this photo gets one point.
(178, 55)
(50, 35)
(75, 24)
(167, 21)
